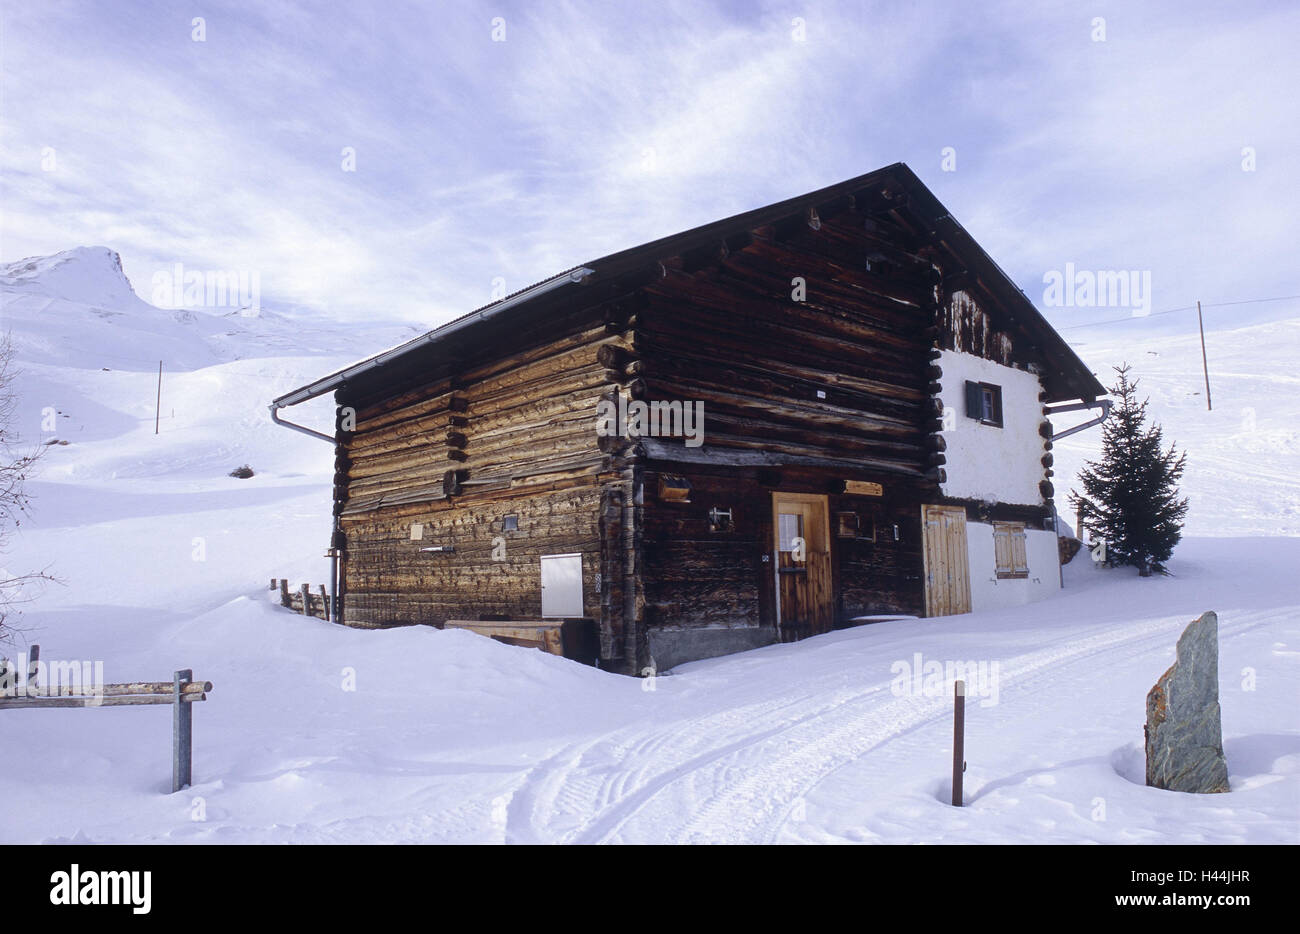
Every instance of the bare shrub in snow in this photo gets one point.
(16, 465)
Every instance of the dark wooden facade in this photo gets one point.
(809, 330)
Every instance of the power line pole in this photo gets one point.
(1204, 366)
(157, 412)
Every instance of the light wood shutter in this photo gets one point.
(1019, 562)
(1009, 549)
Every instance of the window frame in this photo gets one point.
(975, 394)
(994, 394)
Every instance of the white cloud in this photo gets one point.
(596, 127)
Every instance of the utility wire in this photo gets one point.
(1170, 311)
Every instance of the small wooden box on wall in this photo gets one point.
(674, 489)
(851, 525)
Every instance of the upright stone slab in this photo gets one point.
(1184, 733)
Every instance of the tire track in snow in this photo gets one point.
(743, 789)
(593, 776)
(1025, 674)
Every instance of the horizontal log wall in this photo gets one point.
(455, 441)
(492, 571)
(538, 413)
(698, 576)
(840, 375)
(885, 575)
(839, 379)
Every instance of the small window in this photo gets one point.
(789, 527)
(984, 403)
(510, 524)
(1009, 549)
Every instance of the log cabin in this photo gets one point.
(813, 414)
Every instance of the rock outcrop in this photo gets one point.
(1184, 732)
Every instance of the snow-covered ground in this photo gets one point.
(318, 733)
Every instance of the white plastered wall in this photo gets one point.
(985, 462)
(987, 592)
(998, 465)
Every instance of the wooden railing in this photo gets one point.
(182, 692)
(303, 600)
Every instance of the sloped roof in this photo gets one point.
(1066, 370)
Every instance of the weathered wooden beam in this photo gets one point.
(656, 449)
(613, 356)
(129, 688)
(117, 700)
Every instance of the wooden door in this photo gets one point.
(947, 568)
(801, 536)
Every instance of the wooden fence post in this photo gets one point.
(324, 604)
(182, 731)
(306, 599)
(958, 740)
(284, 592)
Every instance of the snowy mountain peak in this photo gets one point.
(90, 275)
(77, 308)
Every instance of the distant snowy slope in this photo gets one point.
(1241, 474)
(78, 309)
(108, 487)
(87, 275)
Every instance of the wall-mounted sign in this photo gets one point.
(863, 488)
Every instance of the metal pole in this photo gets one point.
(958, 740)
(1204, 366)
(33, 670)
(157, 412)
(335, 552)
(1056, 524)
(182, 732)
(334, 586)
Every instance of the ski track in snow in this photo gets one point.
(737, 774)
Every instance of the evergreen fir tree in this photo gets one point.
(1130, 497)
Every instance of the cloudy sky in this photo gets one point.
(514, 140)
